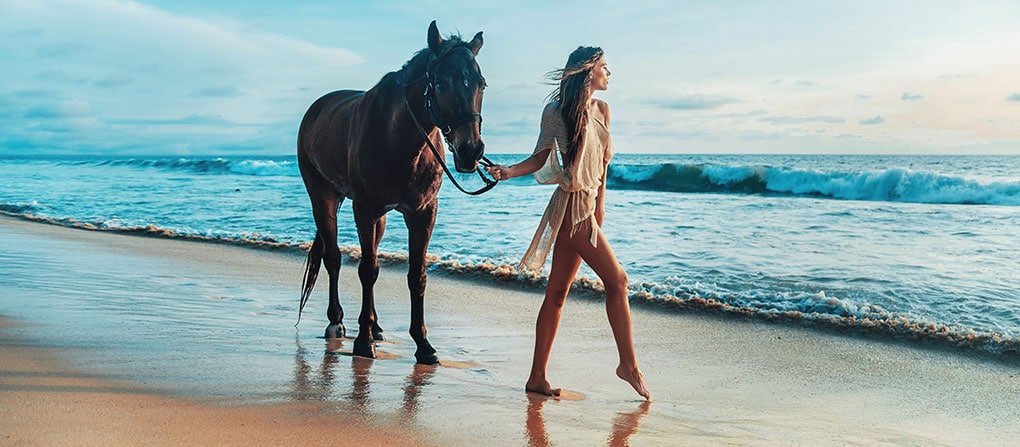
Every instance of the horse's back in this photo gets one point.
(322, 137)
(328, 103)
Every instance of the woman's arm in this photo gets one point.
(528, 166)
(546, 143)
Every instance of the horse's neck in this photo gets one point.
(400, 106)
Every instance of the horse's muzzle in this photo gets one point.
(465, 158)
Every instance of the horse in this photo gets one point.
(370, 146)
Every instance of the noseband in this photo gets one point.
(431, 106)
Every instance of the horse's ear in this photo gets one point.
(435, 40)
(476, 43)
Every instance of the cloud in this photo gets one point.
(60, 50)
(70, 75)
(872, 121)
(65, 109)
(518, 127)
(1013, 98)
(784, 120)
(197, 119)
(748, 114)
(908, 96)
(863, 96)
(35, 94)
(29, 32)
(806, 83)
(693, 102)
(753, 135)
(227, 91)
(114, 81)
(58, 76)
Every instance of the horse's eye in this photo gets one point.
(443, 84)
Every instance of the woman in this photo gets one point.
(575, 126)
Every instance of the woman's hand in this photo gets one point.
(499, 172)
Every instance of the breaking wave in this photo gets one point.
(256, 167)
(891, 185)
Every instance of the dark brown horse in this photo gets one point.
(370, 146)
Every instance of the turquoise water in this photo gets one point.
(912, 244)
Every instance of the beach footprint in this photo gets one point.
(564, 394)
(379, 354)
(458, 364)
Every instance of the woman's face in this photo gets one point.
(600, 75)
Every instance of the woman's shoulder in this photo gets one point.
(603, 108)
(551, 113)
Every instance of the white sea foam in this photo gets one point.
(893, 185)
(815, 308)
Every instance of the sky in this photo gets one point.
(183, 77)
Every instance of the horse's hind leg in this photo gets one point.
(369, 220)
(331, 259)
(419, 230)
(325, 202)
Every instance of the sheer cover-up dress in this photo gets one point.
(579, 184)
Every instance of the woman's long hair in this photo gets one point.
(573, 94)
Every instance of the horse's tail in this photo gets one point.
(311, 272)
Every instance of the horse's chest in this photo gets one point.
(397, 187)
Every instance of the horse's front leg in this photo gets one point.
(370, 221)
(377, 332)
(419, 230)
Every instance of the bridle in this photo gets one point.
(431, 106)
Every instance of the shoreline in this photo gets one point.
(717, 380)
(893, 328)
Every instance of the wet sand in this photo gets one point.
(717, 381)
(43, 402)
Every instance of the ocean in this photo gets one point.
(919, 247)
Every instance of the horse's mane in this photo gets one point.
(418, 61)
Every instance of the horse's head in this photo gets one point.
(455, 92)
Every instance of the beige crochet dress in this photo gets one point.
(578, 184)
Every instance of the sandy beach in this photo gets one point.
(182, 374)
(42, 402)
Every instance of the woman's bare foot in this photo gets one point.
(541, 386)
(635, 379)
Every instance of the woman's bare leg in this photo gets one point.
(603, 261)
(564, 267)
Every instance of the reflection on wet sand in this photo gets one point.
(419, 377)
(306, 386)
(534, 423)
(360, 369)
(624, 425)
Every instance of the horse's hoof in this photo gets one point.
(336, 331)
(428, 358)
(364, 349)
(377, 333)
